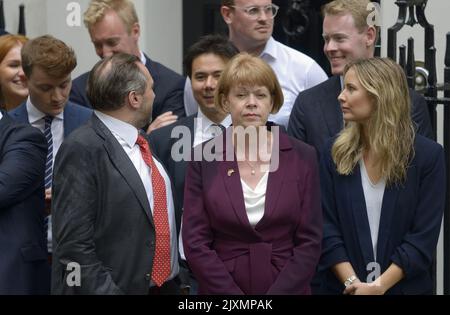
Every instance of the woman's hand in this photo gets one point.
(363, 288)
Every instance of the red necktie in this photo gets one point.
(161, 260)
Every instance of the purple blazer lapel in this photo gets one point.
(276, 178)
(229, 171)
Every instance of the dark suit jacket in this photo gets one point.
(168, 88)
(161, 143)
(279, 255)
(101, 216)
(317, 116)
(23, 260)
(409, 227)
(74, 116)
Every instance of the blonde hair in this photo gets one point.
(389, 131)
(245, 69)
(124, 9)
(356, 8)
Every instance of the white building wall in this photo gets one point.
(161, 28)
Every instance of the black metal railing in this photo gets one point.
(21, 28)
(416, 10)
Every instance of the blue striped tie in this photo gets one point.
(49, 162)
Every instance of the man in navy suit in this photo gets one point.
(204, 63)
(47, 64)
(114, 27)
(23, 262)
(316, 115)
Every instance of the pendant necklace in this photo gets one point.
(253, 172)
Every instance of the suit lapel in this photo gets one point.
(229, 171)
(331, 109)
(355, 193)
(387, 210)
(69, 120)
(21, 114)
(123, 165)
(275, 180)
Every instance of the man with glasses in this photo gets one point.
(250, 25)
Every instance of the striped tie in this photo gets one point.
(49, 162)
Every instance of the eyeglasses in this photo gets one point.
(254, 12)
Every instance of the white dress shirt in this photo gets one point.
(204, 129)
(37, 119)
(1, 115)
(127, 135)
(255, 199)
(295, 72)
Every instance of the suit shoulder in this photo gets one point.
(320, 90)
(426, 148)
(163, 134)
(161, 69)
(304, 149)
(78, 107)
(82, 78)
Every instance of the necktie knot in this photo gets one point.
(48, 120)
(220, 126)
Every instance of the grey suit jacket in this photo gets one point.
(101, 217)
(317, 116)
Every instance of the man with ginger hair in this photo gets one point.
(47, 65)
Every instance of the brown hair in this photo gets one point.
(124, 9)
(51, 54)
(245, 69)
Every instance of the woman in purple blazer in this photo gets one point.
(252, 222)
(383, 190)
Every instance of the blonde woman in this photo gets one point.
(383, 189)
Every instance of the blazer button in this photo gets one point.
(147, 277)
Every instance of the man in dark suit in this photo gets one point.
(316, 115)
(204, 62)
(113, 208)
(23, 262)
(47, 64)
(114, 27)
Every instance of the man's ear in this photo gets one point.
(371, 36)
(227, 15)
(136, 31)
(134, 100)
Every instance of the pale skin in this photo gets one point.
(250, 106)
(358, 107)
